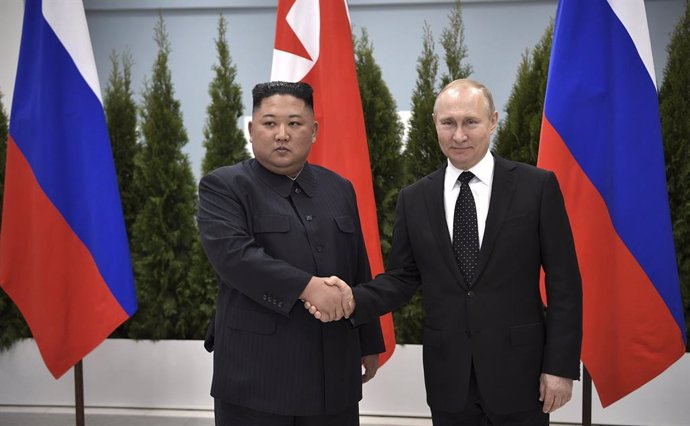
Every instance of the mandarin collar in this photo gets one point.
(282, 184)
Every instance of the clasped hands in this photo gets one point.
(328, 298)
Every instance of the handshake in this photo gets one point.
(328, 299)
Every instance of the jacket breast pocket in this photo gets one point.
(271, 223)
(345, 224)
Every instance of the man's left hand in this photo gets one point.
(371, 365)
(554, 391)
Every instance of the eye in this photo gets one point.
(294, 124)
(269, 123)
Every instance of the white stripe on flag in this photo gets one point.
(68, 21)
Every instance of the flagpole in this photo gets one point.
(79, 393)
(586, 398)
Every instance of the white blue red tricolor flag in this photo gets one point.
(601, 134)
(64, 256)
(314, 44)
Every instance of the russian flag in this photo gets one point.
(64, 255)
(314, 44)
(601, 134)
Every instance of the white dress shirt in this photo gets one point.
(480, 185)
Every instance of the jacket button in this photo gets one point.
(309, 217)
(470, 294)
(319, 249)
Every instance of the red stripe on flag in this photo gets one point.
(40, 250)
(622, 313)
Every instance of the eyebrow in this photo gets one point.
(271, 115)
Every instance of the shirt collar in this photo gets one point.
(483, 170)
(282, 184)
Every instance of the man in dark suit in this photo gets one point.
(272, 227)
(493, 353)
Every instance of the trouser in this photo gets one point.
(234, 415)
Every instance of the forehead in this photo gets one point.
(463, 100)
(282, 101)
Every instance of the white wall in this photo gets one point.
(177, 374)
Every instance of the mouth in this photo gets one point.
(282, 149)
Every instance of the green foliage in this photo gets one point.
(384, 137)
(422, 154)
(225, 145)
(163, 233)
(518, 133)
(121, 115)
(13, 325)
(453, 42)
(674, 106)
(224, 140)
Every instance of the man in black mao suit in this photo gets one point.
(271, 227)
(493, 354)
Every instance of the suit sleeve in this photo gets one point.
(398, 284)
(237, 257)
(563, 286)
(370, 335)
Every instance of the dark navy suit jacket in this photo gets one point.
(266, 236)
(499, 323)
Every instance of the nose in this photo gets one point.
(282, 134)
(459, 135)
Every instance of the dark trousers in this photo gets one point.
(235, 415)
(475, 413)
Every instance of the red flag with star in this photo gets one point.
(325, 60)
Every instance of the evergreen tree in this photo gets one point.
(422, 154)
(225, 145)
(121, 115)
(517, 137)
(163, 231)
(384, 137)
(453, 42)
(224, 140)
(13, 324)
(674, 106)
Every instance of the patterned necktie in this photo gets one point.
(465, 233)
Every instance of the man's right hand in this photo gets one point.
(347, 301)
(333, 301)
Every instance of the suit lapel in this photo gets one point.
(437, 218)
(502, 190)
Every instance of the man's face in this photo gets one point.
(464, 125)
(282, 132)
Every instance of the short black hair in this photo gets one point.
(299, 90)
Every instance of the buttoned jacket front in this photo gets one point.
(266, 236)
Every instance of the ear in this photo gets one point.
(494, 122)
(316, 129)
(249, 128)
